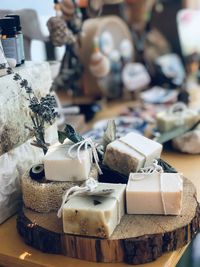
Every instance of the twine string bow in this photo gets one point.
(180, 110)
(90, 186)
(154, 168)
(93, 151)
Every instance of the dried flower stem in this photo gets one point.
(43, 111)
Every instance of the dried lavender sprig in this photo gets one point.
(43, 111)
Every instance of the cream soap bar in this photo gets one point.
(131, 152)
(168, 121)
(95, 215)
(155, 193)
(60, 167)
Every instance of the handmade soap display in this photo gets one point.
(93, 222)
(64, 167)
(67, 209)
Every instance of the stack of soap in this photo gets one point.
(13, 164)
(131, 152)
(47, 196)
(167, 120)
(95, 215)
(59, 166)
(155, 193)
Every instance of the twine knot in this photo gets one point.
(93, 151)
(90, 186)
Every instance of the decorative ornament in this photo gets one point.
(37, 172)
(59, 33)
(99, 64)
(68, 9)
(64, 30)
(94, 8)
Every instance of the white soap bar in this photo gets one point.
(60, 167)
(155, 193)
(95, 215)
(131, 152)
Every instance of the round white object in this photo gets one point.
(126, 49)
(99, 65)
(106, 42)
(115, 56)
(135, 76)
(12, 62)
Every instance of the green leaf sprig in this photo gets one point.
(166, 167)
(167, 136)
(70, 133)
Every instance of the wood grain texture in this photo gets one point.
(138, 239)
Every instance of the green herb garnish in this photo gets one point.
(166, 167)
(167, 136)
(70, 133)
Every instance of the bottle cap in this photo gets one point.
(17, 20)
(7, 24)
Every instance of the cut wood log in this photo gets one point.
(136, 240)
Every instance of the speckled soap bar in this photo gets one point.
(95, 215)
(166, 122)
(131, 152)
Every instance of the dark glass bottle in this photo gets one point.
(9, 39)
(20, 35)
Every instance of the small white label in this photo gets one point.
(21, 38)
(10, 48)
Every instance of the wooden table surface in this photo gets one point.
(14, 253)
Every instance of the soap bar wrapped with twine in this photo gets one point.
(71, 161)
(151, 191)
(177, 115)
(89, 189)
(94, 209)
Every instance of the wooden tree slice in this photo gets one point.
(138, 239)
